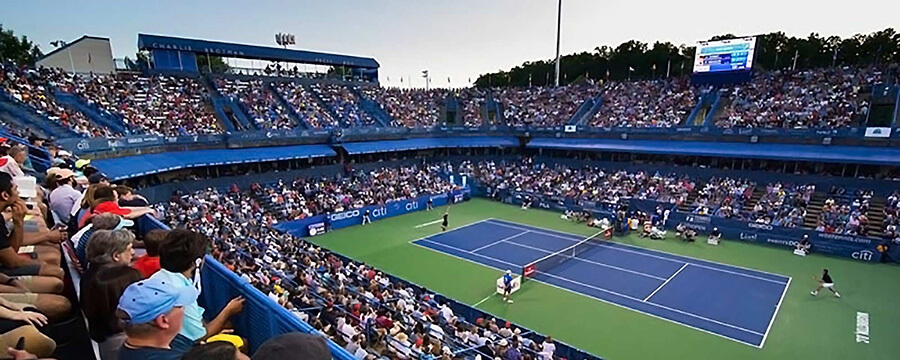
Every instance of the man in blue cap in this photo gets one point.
(152, 312)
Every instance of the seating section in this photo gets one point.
(306, 105)
(34, 88)
(158, 104)
(344, 103)
(305, 196)
(891, 221)
(845, 212)
(642, 104)
(261, 104)
(583, 184)
(807, 99)
(409, 108)
(723, 197)
(472, 100)
(543, 106)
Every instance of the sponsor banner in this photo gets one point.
(878, 132)
(376, 212)
(854, 247)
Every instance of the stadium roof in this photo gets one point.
(150, 42)
(786, 152)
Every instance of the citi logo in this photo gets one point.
(864, 255)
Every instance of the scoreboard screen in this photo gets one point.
(724, 55)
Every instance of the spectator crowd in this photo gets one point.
(260, 103)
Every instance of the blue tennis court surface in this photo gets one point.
(733, 302)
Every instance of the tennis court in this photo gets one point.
(732, 302)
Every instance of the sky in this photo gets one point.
(458, 39)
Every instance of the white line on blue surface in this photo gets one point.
(417, 243)
(648, 255)
(665, 282)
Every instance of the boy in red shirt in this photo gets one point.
(149, 263)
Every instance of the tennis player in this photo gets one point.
(507, 286)
(445, 223)
(825, 282)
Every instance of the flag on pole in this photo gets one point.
(630, 69)
(529, 79)
(668, 67)
(796, 55)
(448, 79)
(653, 67)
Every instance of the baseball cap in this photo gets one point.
(235, 340)
(97, 178)
(82, 163)
(298, 345)
(146, 300)
(60, 172)
(111, 207)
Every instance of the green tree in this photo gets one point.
(17, 50)
(637, 60)
(207, 63)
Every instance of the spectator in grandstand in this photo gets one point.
(181, 256)
(543, 106)
(105, 200)
(128, 198)
(64, 196)
(13, 161)
(79, 241)
(149, 263)
(654, 103)
(803, 99)
(100, 301)
(299, 345)
(107, 248)
(151, 313)
(11, 263)
(217, 350)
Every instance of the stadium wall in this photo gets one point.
(87, 54)
(261, 319)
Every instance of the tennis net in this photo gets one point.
(553, 260)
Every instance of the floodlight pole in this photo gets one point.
(558, 26)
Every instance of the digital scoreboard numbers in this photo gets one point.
(724, 55)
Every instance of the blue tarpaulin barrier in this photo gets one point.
(140, 165)
(429, 143)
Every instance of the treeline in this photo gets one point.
(637, 60)
(17, 50)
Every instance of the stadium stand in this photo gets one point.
(156, 104)
(308, 108)
(656, 103)
(34, 89)
(259, 102)
(544, 106)
(344, 103)
(409, 108)
(806, 99)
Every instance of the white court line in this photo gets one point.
(654, 304)
(482, 300)
(777, 307)
(576, 292)
(666, 282)
(457, 228)
(588, 261)
(428, 223)
(649, 255)
(500, 241)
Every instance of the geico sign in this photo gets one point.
(344, 215)
(759, 226)
(865, 255)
